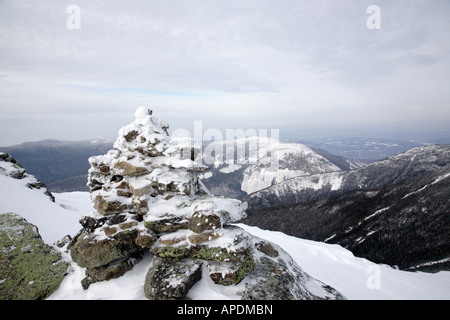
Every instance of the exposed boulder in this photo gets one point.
(29, 269)
(201, 221)
(110, 249)
(11, 167)
(167, 223)
(171, 280)
(276, 276)
(91, 251)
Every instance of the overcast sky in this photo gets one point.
(305, 66)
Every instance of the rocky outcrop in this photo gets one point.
(29, 269)
(277, 277)
(148, 196)
(11, 168)
(166, 279)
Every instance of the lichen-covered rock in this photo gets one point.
(276, 276)
(171, 253)
(267, 248)
(167, 223)
(106, 258)
(90, 251)
(231, 273)
(201, 221)
(171, 280)
(112, 270)
(29, 269)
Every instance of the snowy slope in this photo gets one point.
(330, 264)
(246, 165)
(294, 160)
(352, 276)
(53, 221)
(407, 225)
(355, 277)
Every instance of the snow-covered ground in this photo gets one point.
(53, 221)
(355, 278)
(358, 278)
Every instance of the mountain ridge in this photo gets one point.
(54, 161)
(327, 263)
(258, 171)
(413, 163)
(62, 164)
(406, 224)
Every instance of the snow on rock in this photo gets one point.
(246, 165)
(328, 263)
(358, 278)
(25, 195)
(147, 197)
(11, 168)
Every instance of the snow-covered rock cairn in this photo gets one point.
(148, 199)
(148, 196)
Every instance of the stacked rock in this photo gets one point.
(198, 235)
(148, 196)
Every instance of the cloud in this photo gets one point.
(250, 63)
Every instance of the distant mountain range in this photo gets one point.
(253, 170)
(411, 164)
(395, 211)
(367, 149)
(61, 165)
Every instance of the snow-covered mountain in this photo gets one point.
(260, 162)
(411, 164)
(406, 224)
(355, 278)
(62, 165)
